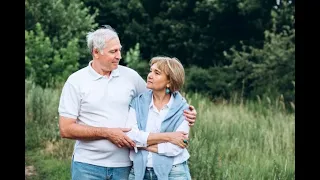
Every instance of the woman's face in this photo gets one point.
(157, 80)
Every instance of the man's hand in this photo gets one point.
(178, 137)
(119, 138)
(191, 115)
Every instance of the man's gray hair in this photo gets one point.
(98, 38)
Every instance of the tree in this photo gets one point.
(61, 27)
(195, 31)
(134, 61)
(269, 70)
(46, 65)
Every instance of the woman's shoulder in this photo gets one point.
(141, 98)
(144, 94)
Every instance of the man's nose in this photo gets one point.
(118, 56)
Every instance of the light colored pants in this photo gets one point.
(178, 172)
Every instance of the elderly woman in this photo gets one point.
(160, 110)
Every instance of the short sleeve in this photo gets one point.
(69, 104)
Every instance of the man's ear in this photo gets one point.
(95, 53)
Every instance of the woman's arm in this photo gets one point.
(167, 148)
(144, 139)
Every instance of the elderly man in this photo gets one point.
(93, 109)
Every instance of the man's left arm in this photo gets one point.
(191, 115)
(140, 85)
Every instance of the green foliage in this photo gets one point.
(55, 39)
(267, 72)
(197, 32)
(234, 141)
(270, 70)
(200, 33)
(133, 60)
(41, 116)
(215, 82)
(196, 80)
(45, 64)
(47, 167)
(229, 141)
(32, 138)
(62, 19)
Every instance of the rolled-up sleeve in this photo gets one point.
(139, 137)
(169, 149)
(69, 104)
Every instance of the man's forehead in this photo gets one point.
(115, 47)
(113, 44)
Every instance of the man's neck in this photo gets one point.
(96, 66)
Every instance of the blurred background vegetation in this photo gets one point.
(239, 57)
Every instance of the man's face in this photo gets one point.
(110, 56)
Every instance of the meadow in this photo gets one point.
(233, 139)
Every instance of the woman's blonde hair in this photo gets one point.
(173, 68)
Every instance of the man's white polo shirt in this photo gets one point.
(99, 101)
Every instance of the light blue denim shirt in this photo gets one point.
(161, 164)
(155, 118)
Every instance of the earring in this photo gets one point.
(167, 91)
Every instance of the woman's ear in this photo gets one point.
(168, 84)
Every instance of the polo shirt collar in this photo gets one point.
(96, 76)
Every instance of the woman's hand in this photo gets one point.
(177, 138)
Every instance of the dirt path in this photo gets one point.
(29, 171)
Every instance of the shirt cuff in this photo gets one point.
(161, 148)
(143, 139)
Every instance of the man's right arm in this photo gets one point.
(71, 130)
(69, 107)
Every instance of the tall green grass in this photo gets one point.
(250, 140)
(44, 149)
